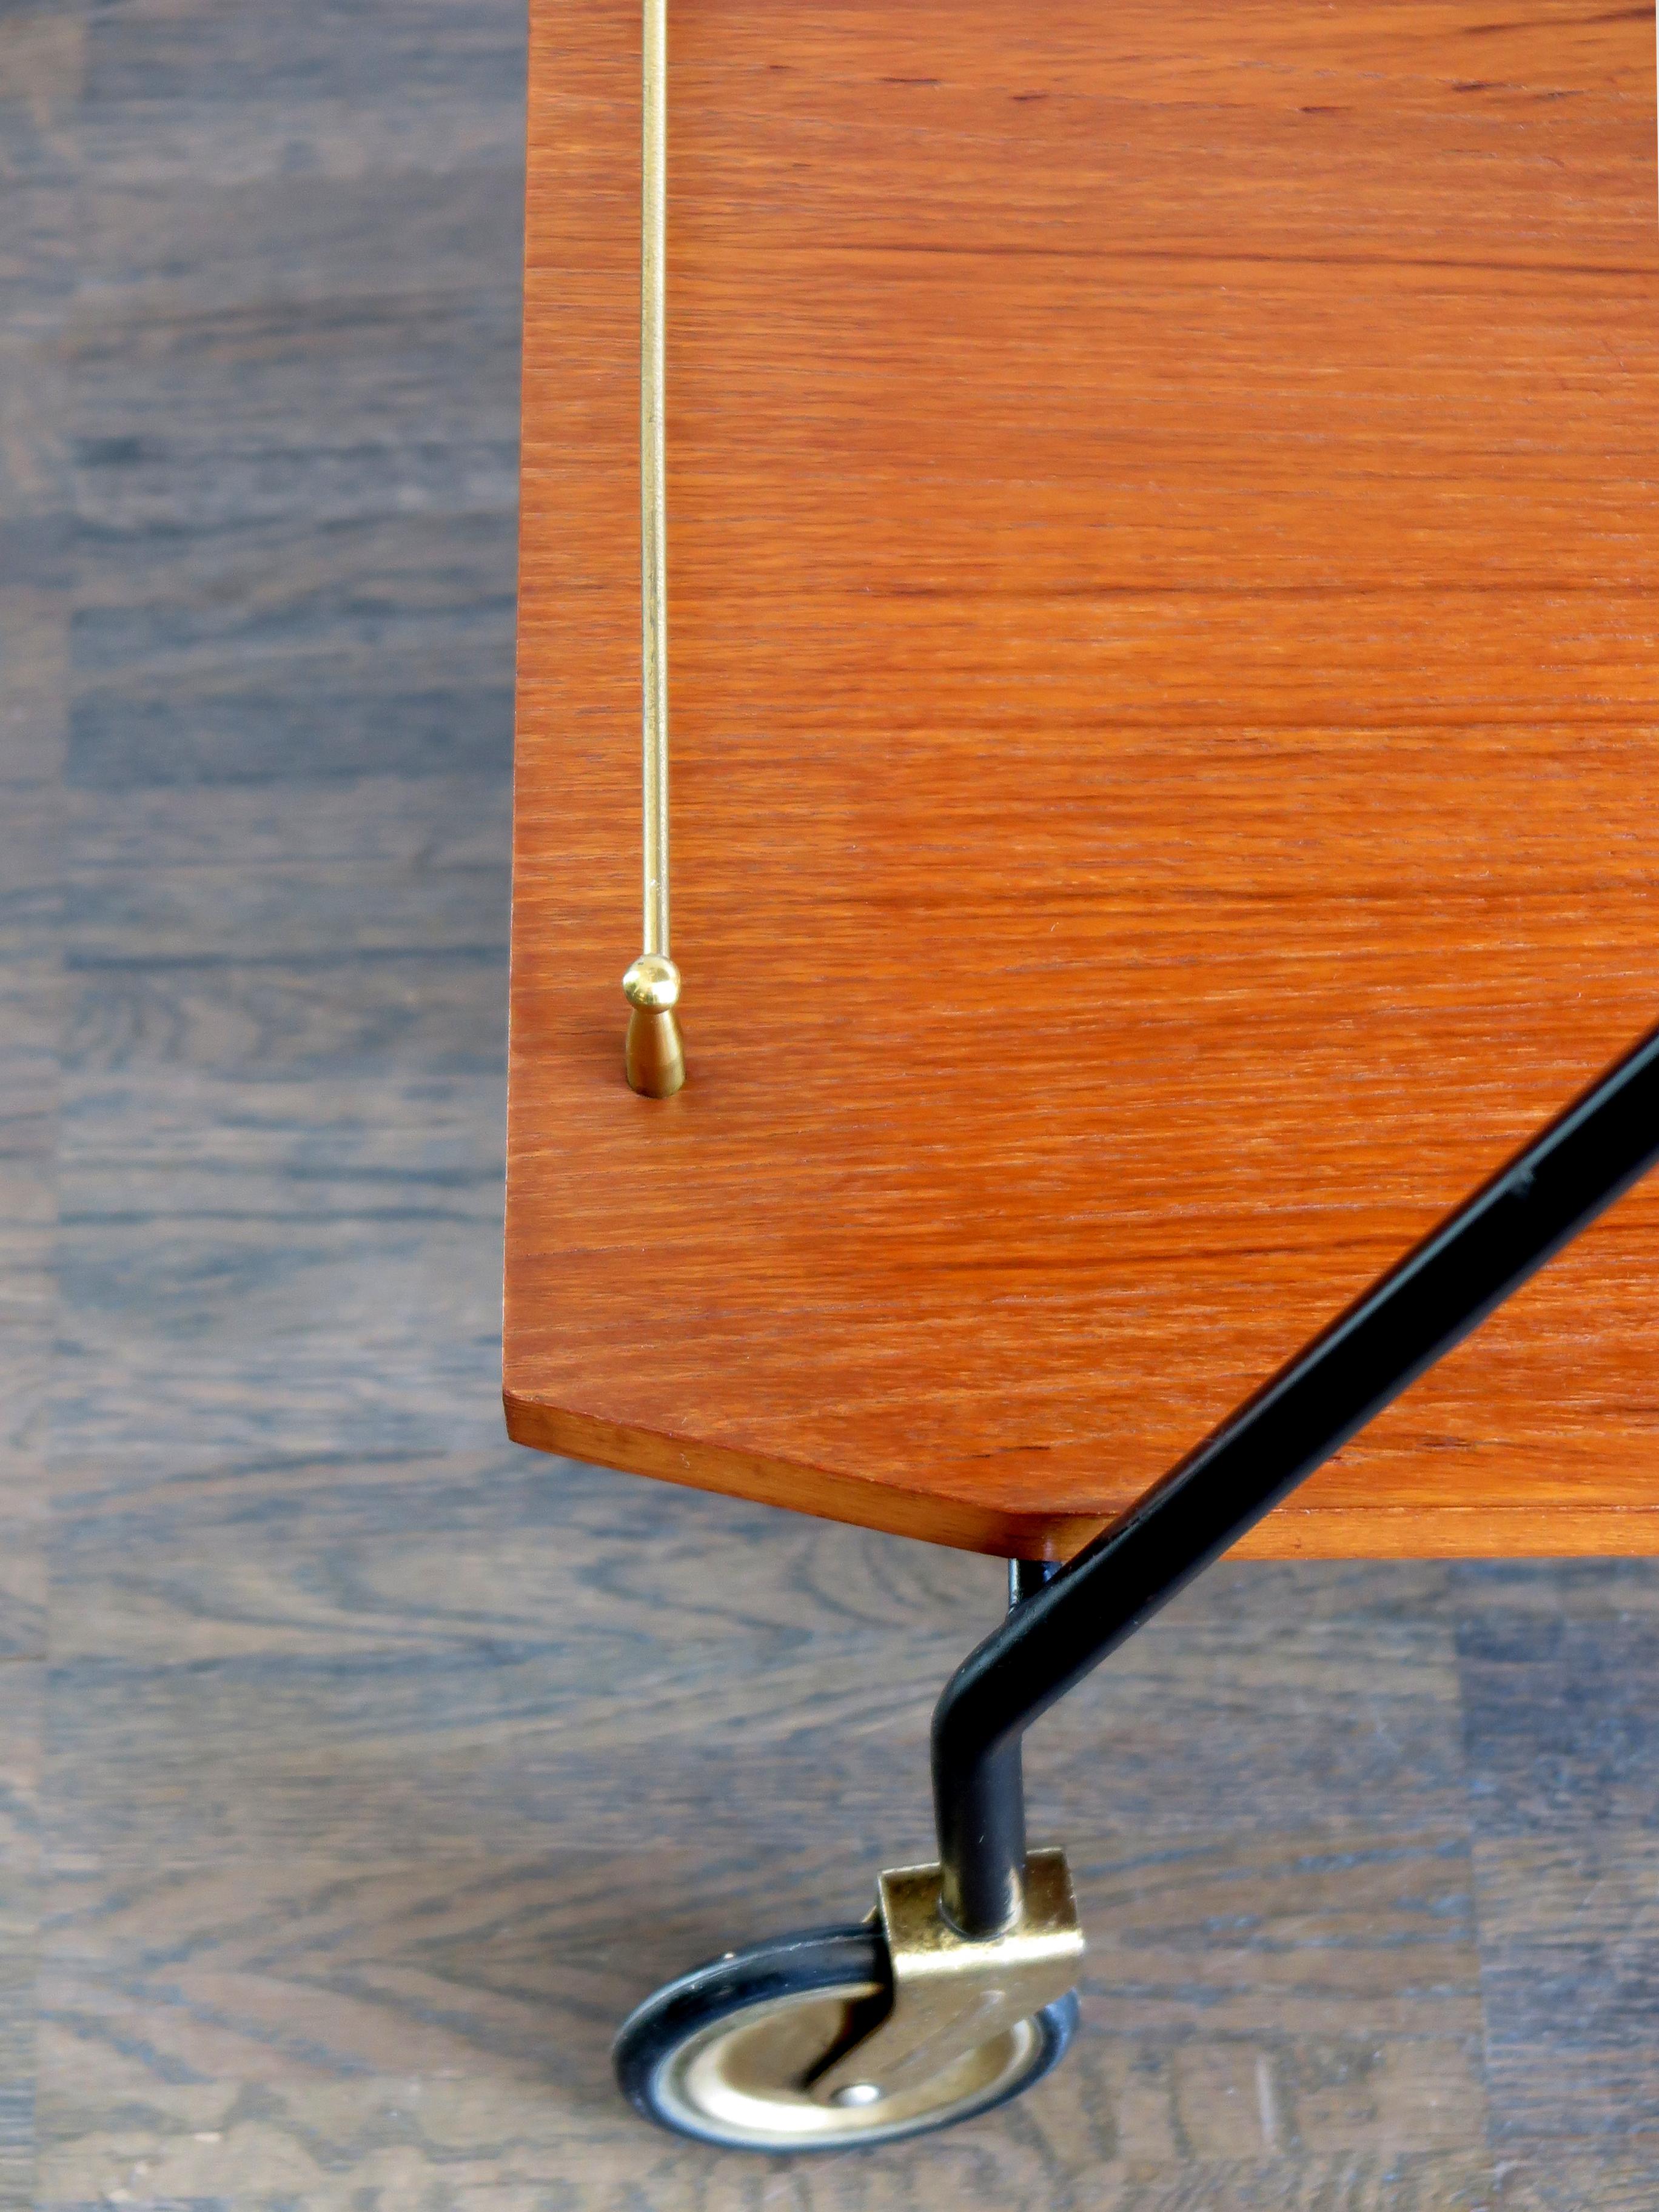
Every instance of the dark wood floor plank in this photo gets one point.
(1555, 1662)
(21, 1727)
(1614, 2180)
(41, 56)
(377, 58)
(1570, 1937)
(425, 826)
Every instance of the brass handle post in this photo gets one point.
(654, 1059)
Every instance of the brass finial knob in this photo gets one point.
(654, 1057)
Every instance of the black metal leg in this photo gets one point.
(1057, 1629)
(999, 1841)
(1027, 1577)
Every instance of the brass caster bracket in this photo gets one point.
(951, 1993)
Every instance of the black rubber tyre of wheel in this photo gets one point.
(822, 1960)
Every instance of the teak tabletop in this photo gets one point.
(1165, 725)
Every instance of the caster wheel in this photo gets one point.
(723, 2053)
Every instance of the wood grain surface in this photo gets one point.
(1163, 626)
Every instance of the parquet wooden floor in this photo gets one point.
(357, 1771)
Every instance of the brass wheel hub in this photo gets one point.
(744, 2077)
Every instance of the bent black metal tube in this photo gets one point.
(1000, 1836)
(1424, 1305)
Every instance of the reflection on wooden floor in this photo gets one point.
(357, 1771)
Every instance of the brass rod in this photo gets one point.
(653, 1059)
(653, 501)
